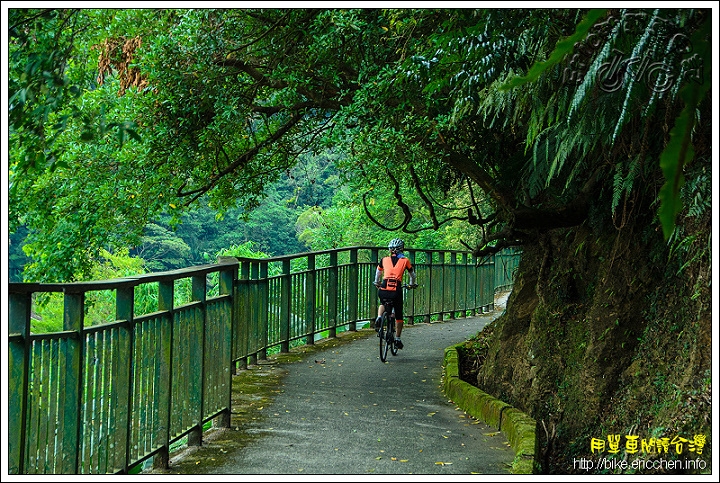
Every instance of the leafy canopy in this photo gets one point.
(511, 121)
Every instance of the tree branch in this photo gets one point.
(240, 161)
(420, 192)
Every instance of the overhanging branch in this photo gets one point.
(240, 161)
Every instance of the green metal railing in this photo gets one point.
(104, 398)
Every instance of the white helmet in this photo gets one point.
(396, 244)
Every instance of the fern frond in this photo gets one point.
(617, 187)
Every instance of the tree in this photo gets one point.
(227, 100)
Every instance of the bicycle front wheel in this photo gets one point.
(385, 338)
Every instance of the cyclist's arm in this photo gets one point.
(412, 275)
(378, 277)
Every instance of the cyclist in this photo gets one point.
(388, 279)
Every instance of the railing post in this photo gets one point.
(464, 271)
(73, 316)
(452, 284)
(333, 293)
(124, 309)
(254, 311)
(374, 301)
(241, 318)
(491, 291)
(226, 281)
(475, 275)
(19, 329)
(429, 288)
(285, 305)
(166, 293)
(443, 284)
(409, 304)
(264, 307)
(199, 294)
(353, 288)
(310, 302)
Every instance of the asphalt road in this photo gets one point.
(344, 412)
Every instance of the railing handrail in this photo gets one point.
(114, 283)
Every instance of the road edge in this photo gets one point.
(517, 426)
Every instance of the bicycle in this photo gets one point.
(386, 331)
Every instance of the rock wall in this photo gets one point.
(602, 335)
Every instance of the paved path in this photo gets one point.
(342, 411)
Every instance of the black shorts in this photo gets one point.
(396, 296)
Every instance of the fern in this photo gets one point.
(679, 151)
(591, 75)
(630, 80)
(633, 171)
(617, 187)
(563, 48)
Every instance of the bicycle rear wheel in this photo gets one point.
(384, 338)
(391, 337)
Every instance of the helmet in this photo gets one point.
(396, 244)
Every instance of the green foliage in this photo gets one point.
(679, 151)
(410, 106)
(562, 49)
(246, 250)
(162, 250)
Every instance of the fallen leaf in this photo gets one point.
(404, 461)
(392, 458)
(431, 414)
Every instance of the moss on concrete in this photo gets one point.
(517, 426)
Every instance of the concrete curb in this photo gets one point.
(517, 426)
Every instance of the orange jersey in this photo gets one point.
(393, 272)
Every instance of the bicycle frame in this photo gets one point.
(386, 331)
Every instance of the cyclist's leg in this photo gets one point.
(382, 295)
(381, 308)
(399, 320)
